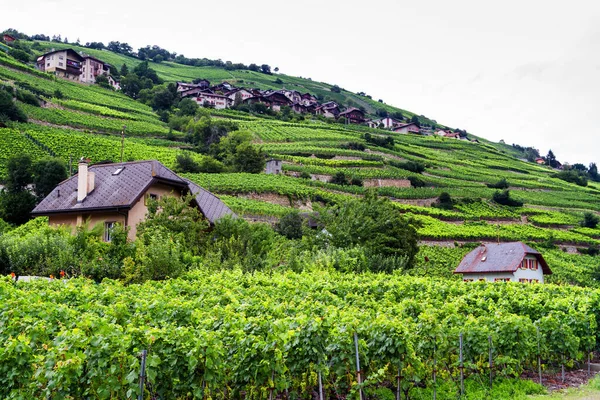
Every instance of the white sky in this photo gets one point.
(526, 71)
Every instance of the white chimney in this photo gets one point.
(85, 180)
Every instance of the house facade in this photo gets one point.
(110, 194)
(504, 262)
(353, 115)
(91, 68)
(8, 38)
(216, 101)
(407, 128)
(65, 64)
(385, 123)
(274, 167)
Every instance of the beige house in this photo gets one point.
(62, 63)
(118, 193)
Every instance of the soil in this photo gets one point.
(553, 381)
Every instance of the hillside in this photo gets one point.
(87, 120)
(242, 310)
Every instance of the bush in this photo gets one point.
(354, 146)
(58, 94)
(355, 181)
(590, 220)
(290, 225)
(444, 201)
(339, 179)
(387, 141)
(9, 109)
(501, 184)
(413, 166)
(416, 182)
(577, 177)
(19, 55)
(185, 163)
(28, 98)
(505, 199)
(305, 175)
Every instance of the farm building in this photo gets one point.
(118, 193)
(407, 128)
(504, 262)
(274, 167)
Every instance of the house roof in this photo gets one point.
(123, 190)
(406, 126)
(351, 110)
(499, 257)
(93, 58)
(69, 51)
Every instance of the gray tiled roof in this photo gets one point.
(499, 257)
(123, 190)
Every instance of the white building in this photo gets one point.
(504, 262)
(274, 167)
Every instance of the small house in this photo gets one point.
(118, 193)
(114, 82)
(65, 63)
(540, 161)
(504, 262)
(407, 128)
(385, 123)
(216, 101)
(353, 115)
(8, 38)
(274, 167)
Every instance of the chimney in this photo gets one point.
(85, 180)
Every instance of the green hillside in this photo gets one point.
(240, 311)
(87, 121)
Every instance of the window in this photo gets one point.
(108, 227)
(60, 64)
(47, 65)
(534, 280)
(467, 280)
(523, 280)
(481, 279)
(502, 280)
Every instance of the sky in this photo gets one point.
(525, 71)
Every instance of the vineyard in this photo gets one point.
(290, 330)
(226, 333)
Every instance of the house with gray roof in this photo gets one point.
(118, 193)
(504, 262)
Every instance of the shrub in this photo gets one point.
(577, 177)
(416, 182)
(413, 166)
(387, 142)
(305, 175)
(339, 179)
(501, 184)
(444, 201)
(19, 55)
(355, 181)
(58, 94)
(290, 225)
(185, 163)
(9, 109)
(28, 98)
(590, 220)
(504, 198)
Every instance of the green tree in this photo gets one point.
(374, 224)
(187, 107)
(9, 110)
(124, 70)
(16, 202)
(248, 158)
(593, 172)
(551, 159)
(47, 174)
(290, 225)
(102, 81)
(131, 85)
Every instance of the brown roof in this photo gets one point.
(405, 126)
(499, 257)
(351, 110)
(123, 190)
(69, 51)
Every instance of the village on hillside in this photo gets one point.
(79, 67)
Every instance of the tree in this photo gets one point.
(265, 69)
(335, 89)
(9, 110)
(444, 201)
(505, 199)
(248, 158)
(290, 225)
(19, 55)
(254, 67)
(163, 99)
(131, 85)
(590, 220)
(16, 202)
(593, 172)
(185, 163)
(339, 178)
(124, 70)
(47, 174)
(276, 69)
(102, 81)
(415, 120)
(551, 159)
(374, 224)
(187, 107)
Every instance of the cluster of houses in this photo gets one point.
(71, 65)
(225, 95)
